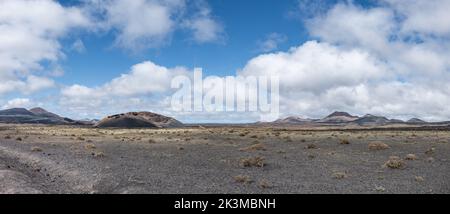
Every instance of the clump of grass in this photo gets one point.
(243, 179)
(430, 151)
(180, 148)
(81, 138)
(380, 189)
(419, 179)
(411, 157)
(255, 147)
(36, 149)
(98, 154)
(395, 162)
(311, 156)
(339, 175)
(253, 162)
(7, 137)
(254, 136)
(344, 142)
(19, 139)
(151, 141)
(375, 146)
(89, 146)
(265, 184)
(311, 146)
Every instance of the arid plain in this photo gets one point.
(228, 159)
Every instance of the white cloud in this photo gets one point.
(78, 46)
(423, 16)
(142, 24)
(203, 25)
(271, 42)
(27, 86)
(17, 103)
(146, 80)
(29, 36)
(382, 60)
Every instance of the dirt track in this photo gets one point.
(42, 159)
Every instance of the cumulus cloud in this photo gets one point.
(29, 36)
(205, 28)
(18, 103)
(382, 60)
(147, 80)
(141, 24)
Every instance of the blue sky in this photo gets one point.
(243, 31)
(82, 58)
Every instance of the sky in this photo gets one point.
(92, 58)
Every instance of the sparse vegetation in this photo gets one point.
(344, 142)
(98, 154)
(311, 146)
(376, 146)
(265, 184)
(252, 162)
(395, 162)
(243, 179)
(339, 175)
(255, 147)
(419, 179)
(36, 149)
(430, 151)
(411, 157)
(89, 146)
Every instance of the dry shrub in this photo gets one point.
(98, 154)
(344, 142)
(380, 189)
(411, 157)
(80, 138)
(36, 149)
(265, 184)
(243, 179)
(339, 175)
(378, 146)
(255, 147)
(89, 146)
(311, 146)
(419, 179)
(252, 162)
(151, 141)
(395, 162)
(254, 136)
(7, 137)
(430, 151)
(19, 139)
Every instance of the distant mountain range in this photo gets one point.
(344, 118)
(36, 116)
(152, 120)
